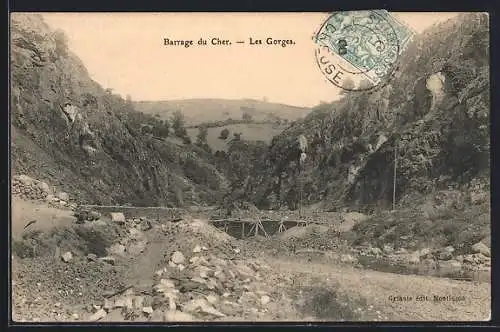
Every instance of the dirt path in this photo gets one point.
(46, 217)
(466, 301)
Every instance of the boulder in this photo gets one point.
(118, 217)
(67, 256)
(401, 251)
(481, 248)
(100, 314)
(444, 255)
(147, 310)
(414, 258)
(346, 258)
(116, 249)
(108, 259)
(91, 257)
(177, 257)
(388, 249)
(63, 196)
(425, 252)
(44, 187)
(265, 300)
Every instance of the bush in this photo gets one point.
(224, 134)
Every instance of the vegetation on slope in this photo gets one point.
(441, 130)
(71, 132)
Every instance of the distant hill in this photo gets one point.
(198, 111)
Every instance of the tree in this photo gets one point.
(224, 134)
(247, 116)
(178, 124)
(161, 128)
(201, 138)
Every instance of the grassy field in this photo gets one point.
(264, 132)
(198, 111)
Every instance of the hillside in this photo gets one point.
(197, 111)
(67, 130)
(436, 110)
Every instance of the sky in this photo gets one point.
(125, 52)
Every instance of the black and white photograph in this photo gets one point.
(250, 167)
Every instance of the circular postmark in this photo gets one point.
(358, 50)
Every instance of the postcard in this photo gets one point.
(250, 167)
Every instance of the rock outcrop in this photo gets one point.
(69, 131)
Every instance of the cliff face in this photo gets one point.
(69, 131)
(436, 111)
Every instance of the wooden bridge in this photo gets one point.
(245, 227)
(252, 225)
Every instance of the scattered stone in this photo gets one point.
(177, 257)
(117, 249)
(108, 259)
(75, 316)
(265, 300)
(401, 251)
(63, 196)
(388, 249)
(118, 217)
(480, 258)
(137, 248)
(138, 302)
(100, 314)
(481, 248)
(445, 255)
(114, 315)
(178, 316)
(148, 310)
(425, 252)
(108, 305)
(468, 259)
(67, 256)
(244, 271)
(197, 249)
(156, 316)
(91, 257)
(212, 299)
(43, 186)
(346, 258)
